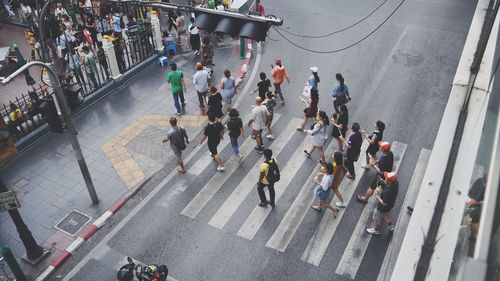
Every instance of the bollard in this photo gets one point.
(242, 48)
(12, 262)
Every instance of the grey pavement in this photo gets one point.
(401, 75)
(47, 179)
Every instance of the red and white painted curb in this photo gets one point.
(246, 63)
(84, 236)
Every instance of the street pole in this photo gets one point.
(242, 48)
(66, 118)
(33, 251)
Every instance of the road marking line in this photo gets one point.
(246, 185)
(404, 218)
(356, 248)
(215, 183)
(255, 220)
(297, 211)
(324, 232)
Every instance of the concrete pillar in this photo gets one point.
(155, 26)
(109, 50)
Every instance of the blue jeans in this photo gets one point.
(176, 97)
(234, 145)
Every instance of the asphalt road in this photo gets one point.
(402, 75)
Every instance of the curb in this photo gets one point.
(86, 234)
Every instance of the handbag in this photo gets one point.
(307, 91)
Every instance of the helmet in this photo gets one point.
(198, 66)
(385, 146)
(391, 176)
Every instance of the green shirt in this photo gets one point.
(175, 78)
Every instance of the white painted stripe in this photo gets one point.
(215, 183)
(259, 214)
(324, 232)
(356, 248)
(246, 185)
(45, 273)
(181, 62)
(404, 218)
(102, 219)
(297, 211)
(75, 245)
(182, 184)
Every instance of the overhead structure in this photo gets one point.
(210, 20)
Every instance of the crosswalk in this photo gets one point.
(281, 232)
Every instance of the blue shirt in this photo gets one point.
(312, 82)
(336, 90)
(116, 21)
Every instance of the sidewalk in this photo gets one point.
(121, 140)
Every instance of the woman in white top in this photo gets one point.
(322, 189)
(318, 131)
(194, 37)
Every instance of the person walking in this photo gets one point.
(279, 74)
(235, 127)
(228, 88)
(201, 81)
(318, 131)
(475, 203)
(267, 178)
(258, 123)
(338, 173)
(262, 86)
(387, 193)
(176, 80)
(101, 57)
(384, 164)
(313, 80)
(215, 103)
(214, 131)
(353, 150)
(374, 139)
(322, 188)
(340, 94)
(339, 126)
(311, 110)
(194, 37)
(178, 140)
(270, 103)
(180, 22)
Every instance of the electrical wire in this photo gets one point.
(344, 48)
(337, 31)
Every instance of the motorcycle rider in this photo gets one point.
(126, 272)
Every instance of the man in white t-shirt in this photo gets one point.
(201, 83)
(60, 11)
(258, 123)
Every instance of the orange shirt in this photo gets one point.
(279, 73)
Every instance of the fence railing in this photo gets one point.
(22, 115)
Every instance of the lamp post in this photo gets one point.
(66, 119)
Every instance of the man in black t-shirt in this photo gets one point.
(214, 131)
(263, 86)
(475, 203)
(386, 197)
(384, 164)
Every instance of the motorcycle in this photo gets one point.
(150, 272)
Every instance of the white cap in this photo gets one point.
(314, 69)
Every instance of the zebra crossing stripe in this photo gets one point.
(246, 185)
(324, 232)
(295, 214)
(259, 214)
(404, 218)
(356, 248)
(215, 183)
(182, 182)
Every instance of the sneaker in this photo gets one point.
(240, 157)
(307, 154)
(364, 166)
(177, 114)
(271, 204)
(409, 210)
(271, 137)
(260, 151)
(340, 204)
(373, 231)
(220, 168)
(262, 204)
(391, 227)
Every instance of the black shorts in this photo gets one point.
(212, 147)
(372, 149)
(374, 182)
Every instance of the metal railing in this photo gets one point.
(4, 275)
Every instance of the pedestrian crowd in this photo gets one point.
(379, 157)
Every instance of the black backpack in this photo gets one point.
(273, 175)
(182, 145)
